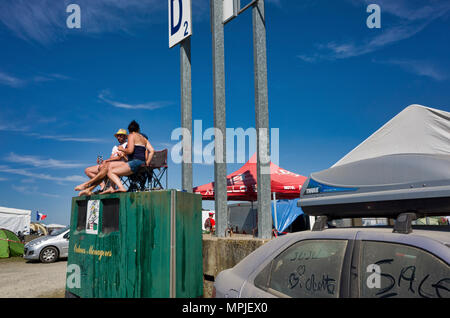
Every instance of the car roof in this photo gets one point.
(441, 235)
(421, 238)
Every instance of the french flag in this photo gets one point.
(40, 216)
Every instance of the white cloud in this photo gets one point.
(389, 36)
(148, 106)
(409, 10)
(308, 59)
(66, 138)
(41, 176)
(44, 21)
(33, 190)
(49, 77)
(422, 68)
(24, 129)
(13, 127)
(40, 162)
(9, 80)
(15, 82)
(410, 18)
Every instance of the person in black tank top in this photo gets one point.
(139, 152)
(98, 173)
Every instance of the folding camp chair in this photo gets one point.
(149, 177)
(159, 169)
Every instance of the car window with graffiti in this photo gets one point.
(396, 270)
(309, 269)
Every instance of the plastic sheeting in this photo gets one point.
(287, 212)
(415, 130)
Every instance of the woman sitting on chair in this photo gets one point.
(139, 152)
(97, 174)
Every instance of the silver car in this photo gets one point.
(49, 248)
(348, 263)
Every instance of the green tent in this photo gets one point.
(10, 244)
(431, 220)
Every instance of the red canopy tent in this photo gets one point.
(242, 184)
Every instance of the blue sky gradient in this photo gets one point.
(332, 82)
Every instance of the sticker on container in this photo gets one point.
(93, 211)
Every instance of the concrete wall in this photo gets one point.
(223, 253)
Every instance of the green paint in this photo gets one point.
(189, 257)
(10, 244)
(135, 260)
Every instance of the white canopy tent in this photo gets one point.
(15, 220)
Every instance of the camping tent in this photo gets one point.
(242, 184)
(403, 166)
(10, 245)
(15, 220)
(38, 228)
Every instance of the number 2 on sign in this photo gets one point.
(186, 24)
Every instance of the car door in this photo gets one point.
(389, 268)
(65, 245)
(306, 269)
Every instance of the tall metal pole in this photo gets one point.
(220, 166)
(262, 121)
(186, 114)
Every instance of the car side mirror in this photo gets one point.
(67, 236)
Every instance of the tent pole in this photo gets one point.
(275, 210)
(255, 216)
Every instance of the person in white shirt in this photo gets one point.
(98, 173)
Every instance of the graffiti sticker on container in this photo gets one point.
(93, 211)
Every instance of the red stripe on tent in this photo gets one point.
(11, 241)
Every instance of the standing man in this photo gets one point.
(210, 223)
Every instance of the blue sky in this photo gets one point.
(332, 82)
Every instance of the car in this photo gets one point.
(344, 263)
(49, 248)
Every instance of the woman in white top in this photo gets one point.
(139, 151)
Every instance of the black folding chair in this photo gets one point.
(149, 177)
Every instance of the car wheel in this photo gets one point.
(49, 255)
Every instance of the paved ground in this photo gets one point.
(22, 279)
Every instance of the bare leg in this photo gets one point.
(83, 186)
(87, 191)
(91, 172)
(96, 180)
(109, 190)
(122, 169)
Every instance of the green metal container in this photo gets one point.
(144, 244)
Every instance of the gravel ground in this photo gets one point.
(23, 279)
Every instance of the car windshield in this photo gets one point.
(59, 231)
